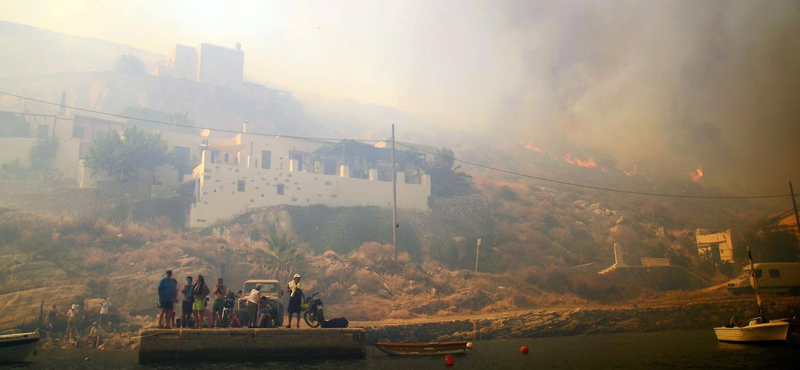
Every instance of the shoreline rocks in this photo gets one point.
(577, 321)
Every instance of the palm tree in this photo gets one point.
(280, 258)
(445, 180)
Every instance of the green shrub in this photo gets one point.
(342, 230)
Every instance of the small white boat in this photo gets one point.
(755, 331)
(17, 347)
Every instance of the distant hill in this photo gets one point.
(30, 51)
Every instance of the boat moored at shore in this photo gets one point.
(17, 347)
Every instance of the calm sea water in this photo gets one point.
(684, 349)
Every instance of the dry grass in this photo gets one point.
(402, 315)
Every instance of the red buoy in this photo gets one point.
(523, 349)
(449, 360)
(469, 345)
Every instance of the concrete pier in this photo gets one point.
(242, 344)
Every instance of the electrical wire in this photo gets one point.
(410, 146)
(178, 124)
(592, 186)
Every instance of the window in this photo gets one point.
(182, 154)
(280, 189)
(758, 274)
(266, 159)
(227, 157)
(214, 155)
(299, 158)
(240, 185)
(329, 167)
(41, 131)
(774, 274)
(206, 177)
(77, 132)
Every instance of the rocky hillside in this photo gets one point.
(31, 51)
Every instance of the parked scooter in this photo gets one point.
(228, 309)
(315, 315)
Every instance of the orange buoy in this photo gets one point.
(469, 345)
(523, 349)
(449, 360)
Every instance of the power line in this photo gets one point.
(622, 191)
(597, 187)
(178, 124)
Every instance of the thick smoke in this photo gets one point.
(668, 86)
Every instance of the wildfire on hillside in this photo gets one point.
(587, 163)
(697, 175)
(632, 172)
(530, 146)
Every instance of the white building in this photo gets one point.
(244, 172)
(253, 171)
(718, 245)
(211, 64)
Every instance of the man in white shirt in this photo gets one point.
(252, 306)
(105, 308)
(295, 287)
(72, 321)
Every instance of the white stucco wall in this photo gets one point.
(218, 196)
(16, 147)
(66, 160)
(219, 65)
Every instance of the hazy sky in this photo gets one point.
(669, 85)
(425, 57)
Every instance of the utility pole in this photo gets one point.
(477, 254)
(394, 200)
(794, 206)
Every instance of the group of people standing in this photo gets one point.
(259, 312)
(194, 301)
(76, 317)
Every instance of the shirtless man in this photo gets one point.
(188, 300)
(220, 291)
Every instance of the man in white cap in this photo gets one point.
(72, 321)
(295, 287)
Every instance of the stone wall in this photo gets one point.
(56, 198)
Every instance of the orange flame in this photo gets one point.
(587, 163)
(697, 175)
(530, 146)
(632, 172)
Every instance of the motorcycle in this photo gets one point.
(228, 310)
(315, 315)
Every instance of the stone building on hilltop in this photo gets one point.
(207, 63)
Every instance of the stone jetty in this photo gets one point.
(242, 344)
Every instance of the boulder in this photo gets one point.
(32, 275)
(21, 309)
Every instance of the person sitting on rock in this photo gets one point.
(95, 334)
(264, 314)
